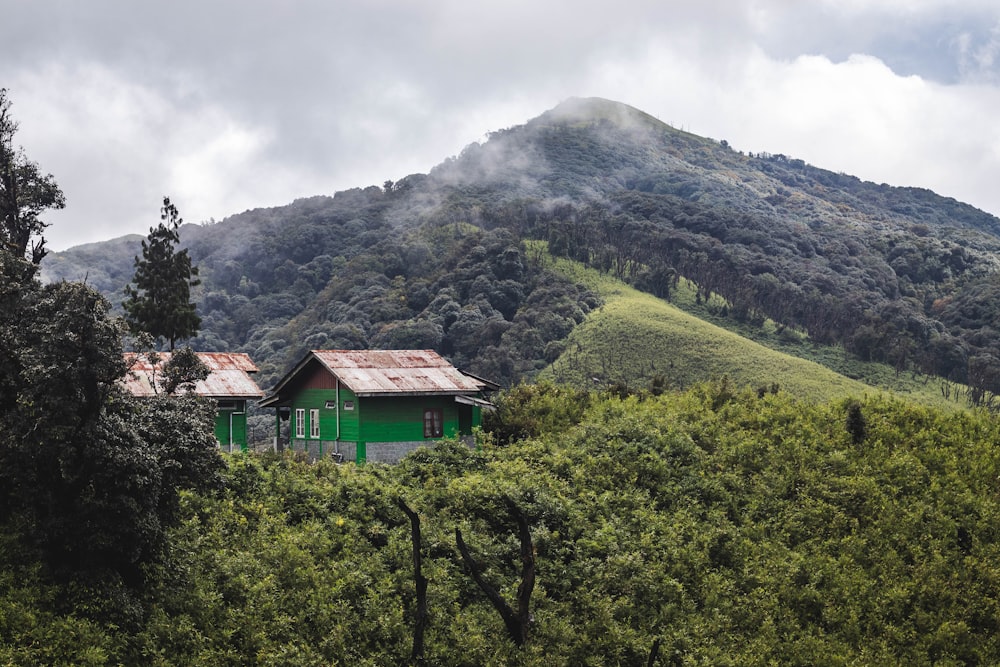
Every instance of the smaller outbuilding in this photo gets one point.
(229, 383)
(375, 405)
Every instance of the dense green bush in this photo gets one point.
(734, 528)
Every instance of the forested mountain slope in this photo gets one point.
(899, 275)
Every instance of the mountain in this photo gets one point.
(893, 275)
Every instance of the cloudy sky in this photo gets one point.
(229, 105)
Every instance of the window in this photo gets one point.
(300, 423)
(433, 423)
(314, 423)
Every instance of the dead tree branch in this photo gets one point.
(516, 623)
(420, 620)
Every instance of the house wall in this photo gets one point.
(382, 429)
(238, 418)
(393, 452)
(401, 419)
(318, 399)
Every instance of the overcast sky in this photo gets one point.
(231, 105)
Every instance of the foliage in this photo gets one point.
(637, 343)
(529, 410)
(25, 193)
(89, 475)
(721, 526)
(159, 303)
(894, 276)
(477, 298)
(183, 370)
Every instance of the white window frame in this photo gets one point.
(314, 423)
(300, 422)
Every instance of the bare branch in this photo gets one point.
(420, 623)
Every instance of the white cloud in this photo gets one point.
(121, 146)
(96, 133)
(229, 106)
(855, 116)
(979, 57)
(861, 118)
(217, 166)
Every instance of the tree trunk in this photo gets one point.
(420, 622)
(516, 623)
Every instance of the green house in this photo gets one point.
(374, 405)
(229, 384)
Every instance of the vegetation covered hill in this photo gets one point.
(621, 523)
(637, 342)
(893, 275)
(708, 527)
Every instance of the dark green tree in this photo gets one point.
(25, 193)
(856, 424)
(159, 299)
(183, 371)
(89, 475)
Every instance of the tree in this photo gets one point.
(25, 193)
(82, 469)
(420, 583)
(159, 302)
(516, 622)
(89, 475)
(856, 425)
(183, 371)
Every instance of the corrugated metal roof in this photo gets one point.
(371, 372)
(229, 377)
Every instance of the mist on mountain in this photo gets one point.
(894, 275)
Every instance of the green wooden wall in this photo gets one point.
(402, 419)
(317, 399)
(375, 419)
(239, 428)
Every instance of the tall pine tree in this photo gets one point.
(159, 300)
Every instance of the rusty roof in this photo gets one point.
(229, 375)
(385, 372)
(372, 372)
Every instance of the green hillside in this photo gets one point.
(686, 492)
(638, 341)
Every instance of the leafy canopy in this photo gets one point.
(89, 475)
(25, 193)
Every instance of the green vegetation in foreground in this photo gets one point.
(732, 529)
(636, 339)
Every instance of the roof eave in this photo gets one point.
(390, 394)
(273, 401)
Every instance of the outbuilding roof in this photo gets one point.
(229, 375)
(388, 372)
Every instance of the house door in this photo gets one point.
(464, 419)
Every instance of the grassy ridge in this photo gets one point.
(635, 338)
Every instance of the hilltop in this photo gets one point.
(780, 513)
(899, 276)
